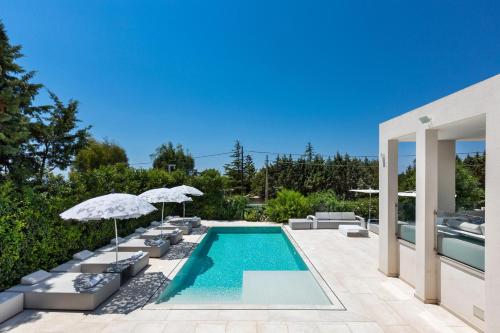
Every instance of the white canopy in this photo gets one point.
(188, 190)
(118, 206)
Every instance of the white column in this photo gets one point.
(446, 176)
(492, 249)
(426, 206)
(388, 198)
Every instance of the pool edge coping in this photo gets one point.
(336, 304)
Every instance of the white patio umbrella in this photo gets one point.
(163, 195)
(116, 206)
(187, 190)
(369, 191)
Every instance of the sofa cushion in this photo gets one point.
(82, 255)
(328, 215)
(35, 277)
(471, 227)
(455, 222)
(348, 216)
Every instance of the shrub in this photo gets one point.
(255, 214)
(287, 204)
(322, 201)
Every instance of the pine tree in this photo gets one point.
(55, 139)
(234, 170)
(16, 96)
(249, 173)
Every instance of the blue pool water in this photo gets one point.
(238, 265)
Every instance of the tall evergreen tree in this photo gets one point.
(55, 139)
(16, 95)
(249, 173)
(234, 170)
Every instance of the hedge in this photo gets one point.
(32, 235)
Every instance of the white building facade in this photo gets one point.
(444, 254)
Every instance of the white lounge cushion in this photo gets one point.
(35, 277)
(92, 281)
(455, 222)
(348, 216)
(141, 230)
(82, 255)
(120, 240)
(470, 227)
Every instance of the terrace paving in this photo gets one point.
(373, 302)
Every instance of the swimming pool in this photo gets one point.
(244, 265)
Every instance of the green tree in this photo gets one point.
(166, 155)
(234, 170)
(16, 95)
(55, 139)
(96, 154)
(249, 173)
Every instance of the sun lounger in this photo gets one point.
(68, 291)
(155, 248)
(11, 303)
(296, 224)
(184, 226)
(174, 236)
(350, 230)
(101, 261)
(194, 221)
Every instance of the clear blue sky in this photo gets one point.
(274, 74)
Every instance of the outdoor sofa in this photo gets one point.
(457, 238)
(66, 291)
(186, 227)
(174, 236)
(332, 220)
(326, 220)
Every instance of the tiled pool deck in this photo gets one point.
(373, 302)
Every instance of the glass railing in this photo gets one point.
(461, 237)
(405, 228)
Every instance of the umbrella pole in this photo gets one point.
(370, 208)
(161, 226)
(116, 244)
(183, 209)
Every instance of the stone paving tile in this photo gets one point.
(241, 327)
(271, 327)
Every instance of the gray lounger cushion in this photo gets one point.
(185, 227)
(35, 277)
(174, 236)
(72, 266)
(102, 260)
(63, 291)
(82, 255)
(139, 244)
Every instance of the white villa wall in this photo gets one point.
(461, 291)
(407, 263)
(469, 114)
